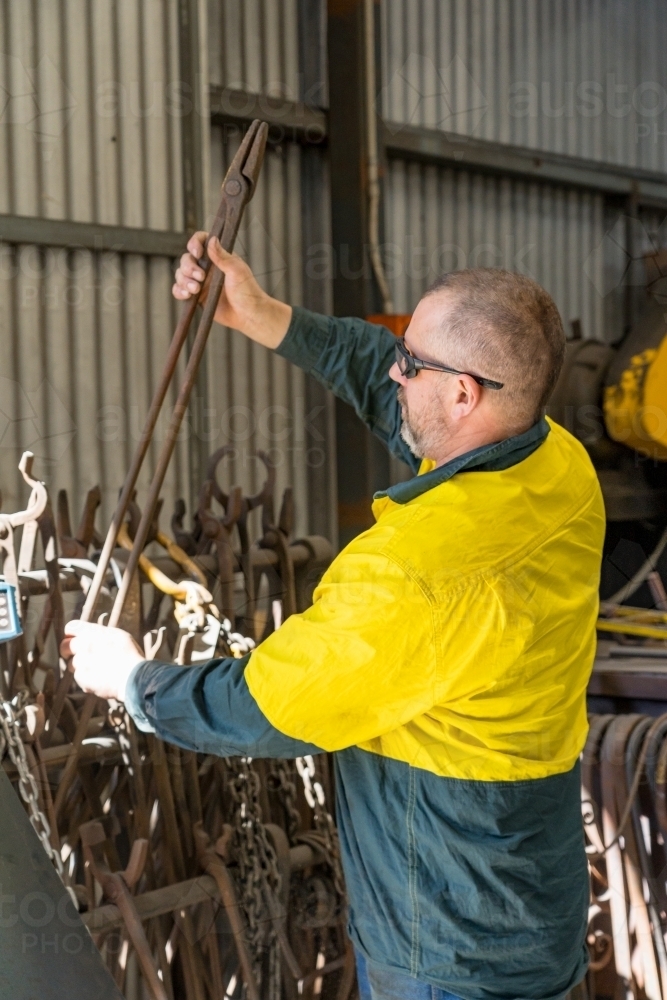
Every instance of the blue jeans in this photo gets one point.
(379, 984)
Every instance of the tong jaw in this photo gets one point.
(238, 187)
(256, 135)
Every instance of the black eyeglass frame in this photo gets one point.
(409, 366)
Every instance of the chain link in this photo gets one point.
(258, 871)
(10, 739)
(324, 823)
(281, 782)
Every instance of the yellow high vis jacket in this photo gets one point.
(444, 660)
(489, 581)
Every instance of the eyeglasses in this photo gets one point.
(409, 365)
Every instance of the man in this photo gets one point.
(446, 655)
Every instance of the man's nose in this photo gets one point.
(395, 374)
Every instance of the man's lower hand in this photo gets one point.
(103, 658)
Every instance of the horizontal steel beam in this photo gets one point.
(288, 120)
(155, 902)
(92, 752)
(181, 895)
(431, 145)
(293, 121)
(647, 685)
(30, 229)
(297, 122)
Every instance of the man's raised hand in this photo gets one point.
(243, 304)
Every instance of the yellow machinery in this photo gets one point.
(635, 406)
(614, 399)
(635, 397)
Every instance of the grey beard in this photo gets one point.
(407, 434)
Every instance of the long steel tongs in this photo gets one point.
(238, 188)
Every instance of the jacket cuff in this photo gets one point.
(306, 339)
(135, 692)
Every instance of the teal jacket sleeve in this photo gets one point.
(207, 708)
(352, 358)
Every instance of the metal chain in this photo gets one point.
(10, 739)
(258, 870)
(117, 717)
(324, 823)
(280, 781)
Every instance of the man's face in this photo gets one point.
(426, 399)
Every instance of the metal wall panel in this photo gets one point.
(256, 400)
(580, 77)
(439, 220)
(82, 340)
(90, 107)
(90, 132)
(254, 46)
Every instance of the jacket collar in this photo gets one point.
(488, 458)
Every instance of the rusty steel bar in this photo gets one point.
(69, 770)
(174, 859)
(235, 197)
(116, 889)
(175, 349)
(171, 361)
(57, 755)
(324, 970)
(155, 903)
(116, 886)
(218, 870)
(226, 224)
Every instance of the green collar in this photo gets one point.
(488, 458)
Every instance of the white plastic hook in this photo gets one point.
(36, 505)
(37, 501)
(27, 517)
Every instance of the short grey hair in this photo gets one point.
(507, 327)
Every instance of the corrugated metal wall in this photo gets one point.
(90, 112)
(441, 220)
(91, 132)
(256, 399)
(88, 132)
(254, 46)
(82, 339)
(577, 77)
(582, 77)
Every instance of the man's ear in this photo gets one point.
(468, 395)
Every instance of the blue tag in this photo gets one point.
(10, 623)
